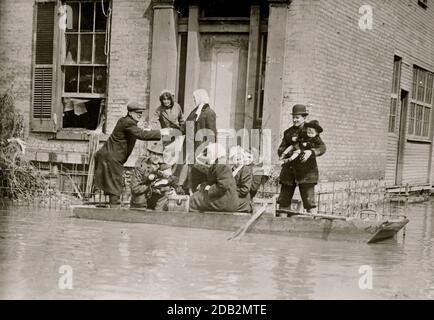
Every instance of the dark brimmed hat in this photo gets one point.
(156, 148)
(135, 106)
(314, 124)
(299, 109)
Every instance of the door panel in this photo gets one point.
(223, 68)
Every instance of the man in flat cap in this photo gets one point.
(109, 160)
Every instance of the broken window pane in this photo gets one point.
(86, 79)
(86, 48)
(72, 17)
(71, 76)
(86, 16)
(100, 80)
(81, 113)
(100, 56)
(71, 48)
(100, 18)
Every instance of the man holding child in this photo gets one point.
(298, 150)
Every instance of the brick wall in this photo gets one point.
(130, 58)
(346, 74)
(16, 30)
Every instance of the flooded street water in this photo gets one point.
(137, 261)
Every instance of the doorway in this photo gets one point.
(401, 137)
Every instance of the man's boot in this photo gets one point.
(114, 201)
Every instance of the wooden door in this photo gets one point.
(223, 68)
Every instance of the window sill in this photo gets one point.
(418, 140)
(77, 135)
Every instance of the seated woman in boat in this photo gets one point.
(152, 181)
(219, 191)
(242, 174)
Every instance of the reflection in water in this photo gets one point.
(120, 260)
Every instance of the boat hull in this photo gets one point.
(299, 226)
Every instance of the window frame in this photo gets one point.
(60, 55)
(396, 89)
(418, 108)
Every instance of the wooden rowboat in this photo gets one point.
(351, 229)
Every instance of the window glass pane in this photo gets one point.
(85, 79)
(86, 48)
(429, 84)
(392, 115)
(396, 74)
(72, 13)
(100, 18)
(100, 78)
(411, 122)
(71, 48)
(426, 117)
(421, 85)
(71, 76)
(414, 88)
(419, 111)
(100, 56)
(86, 16)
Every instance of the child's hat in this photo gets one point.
(314, 124)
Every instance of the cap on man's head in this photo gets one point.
(299, 109)
(135, 106)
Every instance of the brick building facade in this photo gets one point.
(370, 85)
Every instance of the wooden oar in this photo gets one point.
(243, 229)
(314, 215)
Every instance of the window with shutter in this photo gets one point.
(43, 70)
(70, 64)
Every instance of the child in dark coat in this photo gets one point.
(305, 142)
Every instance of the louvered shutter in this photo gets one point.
(43, 71)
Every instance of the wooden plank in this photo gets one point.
(252, 66)
(274, 73)
(164, 52)
(402, 137)
(431, 136)
(193, 59)
(232, 27)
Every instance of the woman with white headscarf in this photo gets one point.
(204, 120)
(218, 192)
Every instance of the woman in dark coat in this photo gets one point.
(168, 114)
(109, 160)
(202, 117)
(219, 191)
